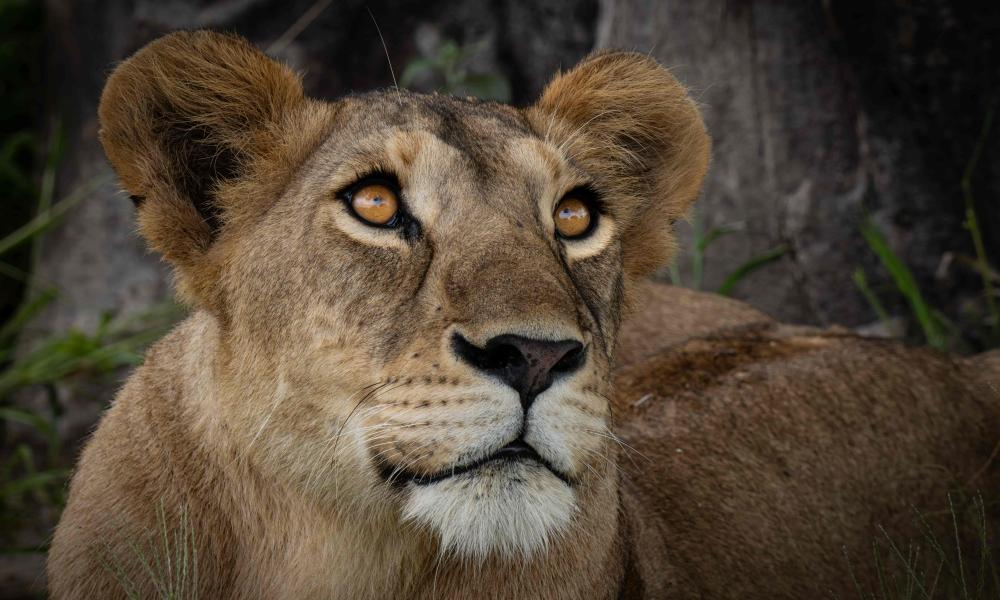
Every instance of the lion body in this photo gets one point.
(311, 430)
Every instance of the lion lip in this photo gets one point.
(516, 451)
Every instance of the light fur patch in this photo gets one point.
(503, 509)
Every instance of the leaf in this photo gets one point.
(112, 345)
(33, 482)
(415, 69)
(25, 313)
(907, 285)
(714, 234)
(675, 273)
(26, 417)
(750, 266)
(861, 281)
(21, 455)
(487, 87)
(449, 53)
(47, 218)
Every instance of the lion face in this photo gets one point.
(456, 362)
(416, 297)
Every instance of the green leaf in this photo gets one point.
(712, 235)
(26, 312)
(982, 263)
(750, 266)
(33, 482)
(487, 87)
(21, 455)
(47, 218)
(701, 245)
(861, 281)
(114, 344)
(907, 285)
(415, 69)
(675, 273)
(449, 53)
(25, 417)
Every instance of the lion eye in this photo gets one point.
(376, 203)
(573, 217)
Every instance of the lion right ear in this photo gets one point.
(182, 119)
(628, 122)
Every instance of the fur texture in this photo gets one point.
(311, 432)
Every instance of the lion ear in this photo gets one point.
(180, 119)
(630, 124)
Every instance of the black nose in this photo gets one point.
(527, 365)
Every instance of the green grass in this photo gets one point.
(701, 242)
(114, 343)
(931, 323)
(861, 280)
(937, 330)
(981, 263)
(33, 469)
(963, 564)
(21, 154)
(168, 559)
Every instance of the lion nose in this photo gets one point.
(525, 364)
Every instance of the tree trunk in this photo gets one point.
(823, 113)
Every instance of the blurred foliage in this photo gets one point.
(934, 325)
(33, 465)
(449, 70)
(21, 23)
(938, 331)
(700, 243)
(33, 468)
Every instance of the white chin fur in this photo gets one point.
(510, 510)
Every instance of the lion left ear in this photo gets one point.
(629, 123)
(185, 122)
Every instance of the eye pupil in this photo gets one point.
(375, 203)
(572, 217)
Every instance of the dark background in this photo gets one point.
(831, 120)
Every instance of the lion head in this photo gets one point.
(411, 301)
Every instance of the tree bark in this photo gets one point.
(823, 113)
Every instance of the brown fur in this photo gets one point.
(245, 458)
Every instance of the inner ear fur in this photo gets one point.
(629, 123)
(185, 117)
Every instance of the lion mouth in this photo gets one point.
(517, 451)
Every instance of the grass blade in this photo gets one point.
(861, 281)
(48, 217)
(907, 285)
(750, 266)
(31, 482)
(972, 223)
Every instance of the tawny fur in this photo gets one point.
(732, 457)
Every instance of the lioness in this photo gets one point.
(396, 381)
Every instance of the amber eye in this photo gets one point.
(375, 203)
(573, 217)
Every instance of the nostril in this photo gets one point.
(572, 360)
(525, 364)
(503, 356)
(492, 357)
